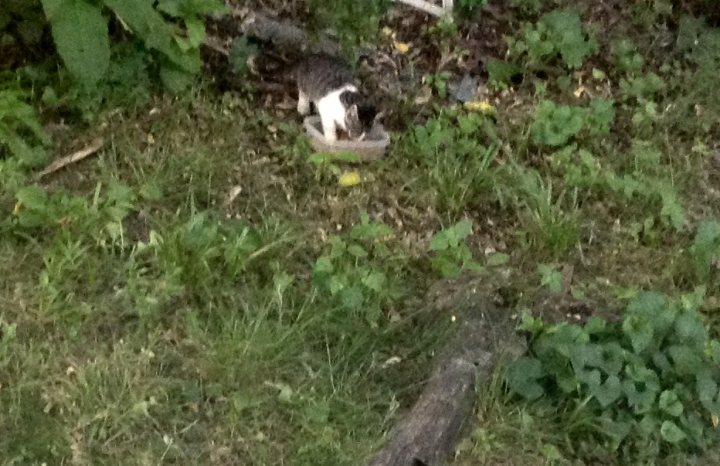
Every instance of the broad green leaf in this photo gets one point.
(522, 377)
(707, 391)
(32, 197)
(80, 32)
(447, 267)
(602, 114)
(498, 259)
(615, 429)
(640, 332)
(671, 433)
(655, 309)
(686, 360)
(356, 250)
(550, 278)
(639, 397)
(706, 246)
(352, 297)
(595, 325)
(323, 265)
(374, 281)
(337, 283)
(149, 25)
(689, 329)
(174, 78)
(608, 392)
(670, 403)
(612, 358)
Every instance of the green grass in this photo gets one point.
(199, 292)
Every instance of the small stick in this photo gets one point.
(72, 158)
(213, 43)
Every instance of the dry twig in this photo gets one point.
(94, 146)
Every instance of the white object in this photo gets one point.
(430, 7)
(370, 148)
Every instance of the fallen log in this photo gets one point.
(429, 432)
(284, 34)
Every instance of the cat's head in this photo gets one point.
(359, 120)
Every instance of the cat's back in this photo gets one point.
(319, 74)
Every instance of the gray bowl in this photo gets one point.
(371, 148)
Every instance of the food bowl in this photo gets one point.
(371, 148)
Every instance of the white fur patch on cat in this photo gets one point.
(332, 112)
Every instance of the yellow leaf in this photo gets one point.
(387, 31)
(18, 208)
(714, 420)
(484, 107)
(348, 179)
(402, 47)
(580, 91)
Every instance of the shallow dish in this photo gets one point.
(370, 148)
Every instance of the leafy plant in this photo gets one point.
(174, 29)
(21, 133)
(549, 223)
(356, 273)
(550, 278)
(240, 52)
(502, 73)
(705, 249)
(555, 125)
(556, 34)
(641, 88)
(652, 378)
(452, 255)
(528, 6)
(580, 168)
(469, 5)
(438, 81)
(457, 165)
(627, 58)
(100, 218)
(354, 22)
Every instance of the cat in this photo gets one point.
(327, 82)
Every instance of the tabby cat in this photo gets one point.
(327, 82)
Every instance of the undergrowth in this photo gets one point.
(204, 291)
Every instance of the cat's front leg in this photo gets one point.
(303, 106)
(329, 129)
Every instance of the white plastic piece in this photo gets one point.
(372, 147)
(431, 8)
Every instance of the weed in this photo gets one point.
(452, 255)
(438, 82)
(705, 249)
(457, 166)
(502, 73)
(357, 272)
(648, 380)
(556, 34)
(555, 125)
(21, 133)
(550, 278)
(546, 221)
(470, 5)
(628, 59)
(354, 22)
